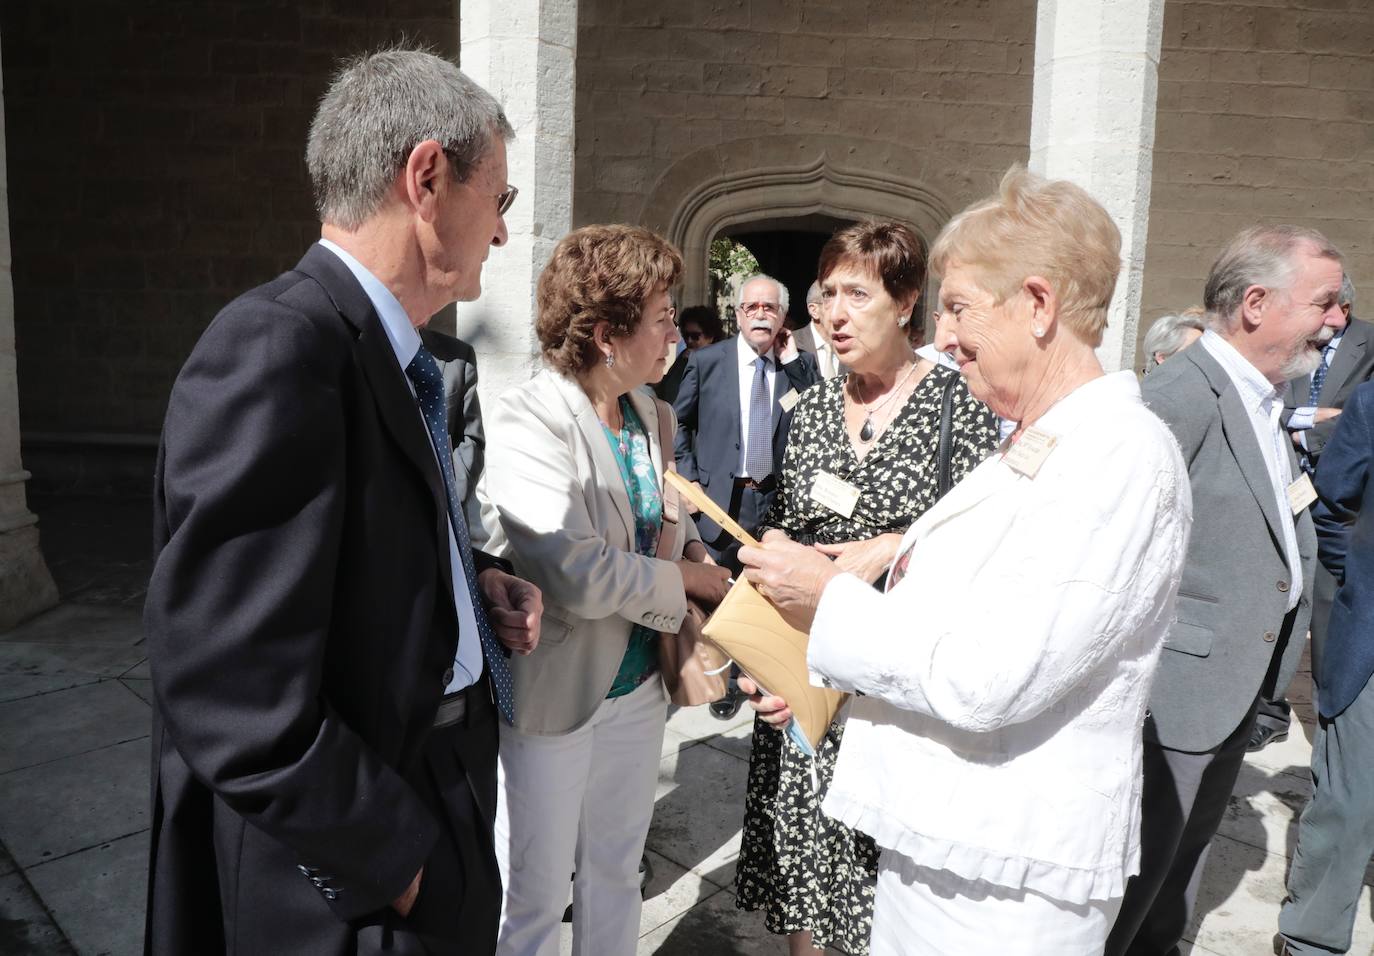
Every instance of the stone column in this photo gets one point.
(1093, 122)
(26, 587)
(524, 52)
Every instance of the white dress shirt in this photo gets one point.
(747, 356)
(1305, 416)
(1007, 672)
(405, 342)
(1264, 405)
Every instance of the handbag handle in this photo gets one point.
(944, 450)
(667, 532)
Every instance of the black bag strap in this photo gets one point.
(944, 450)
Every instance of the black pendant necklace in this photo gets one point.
(866, 431)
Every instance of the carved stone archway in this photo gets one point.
(714, 189)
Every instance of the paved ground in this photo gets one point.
(74, 695)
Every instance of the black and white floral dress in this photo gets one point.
(802, 868)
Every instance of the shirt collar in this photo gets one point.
(1256, 390)
(405, 341)
(747, 355)
(1103, 392)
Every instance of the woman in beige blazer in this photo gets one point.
(573, 488)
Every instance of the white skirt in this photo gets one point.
(924, 912)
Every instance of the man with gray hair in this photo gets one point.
(1171, 334)
(814, 338)
(734, 407)
(1244, 600)
(327, 650)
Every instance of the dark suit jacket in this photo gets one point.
(667, 387)
(458, 361)
(300, 619)
(708, 434)
(1352, 366)
(1234, 636)
(1344, 516)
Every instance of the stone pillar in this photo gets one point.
(26, 587)
(1093, 122)
(524, 52)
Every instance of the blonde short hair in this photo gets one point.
(1045, 227)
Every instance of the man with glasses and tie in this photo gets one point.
(328, 652)
(734, 406)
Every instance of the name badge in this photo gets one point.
(1301, 494)
(790, 400)
(1030, 451)
(835, 493)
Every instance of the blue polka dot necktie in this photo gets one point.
(429, 390)
(1319, 375)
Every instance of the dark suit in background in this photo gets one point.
(458, 361)
(1336, 830)
(300, 515)
(1234, 640)
(708, 437)
(1351, 366)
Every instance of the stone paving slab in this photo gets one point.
(52, 726)
(80, 624)
(97, 895)
(28, 669)
(26, 928)
(69, 805)
(699, 811)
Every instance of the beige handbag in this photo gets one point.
(771, 652)
(694, 672)
(773, 655)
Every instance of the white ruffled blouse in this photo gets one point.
(1005, 676)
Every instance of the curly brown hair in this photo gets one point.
(599, 274)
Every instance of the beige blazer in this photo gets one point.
(558, 510)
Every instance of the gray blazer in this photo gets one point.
(1234, 637)
(1352, 366)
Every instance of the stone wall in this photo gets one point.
(156, 169)
(669, 96)
(1266, 113)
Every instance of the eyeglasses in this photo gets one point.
(753, 308)
(505, 200)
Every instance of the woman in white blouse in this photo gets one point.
(995, 754)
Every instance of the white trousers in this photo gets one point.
(923, 912)
(579, 801)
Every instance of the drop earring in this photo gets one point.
(610, 360)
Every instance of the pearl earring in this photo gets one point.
(1039, 332)
(902, 321)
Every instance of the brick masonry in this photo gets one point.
(1266, 113)
(155, 150)
(156, 168)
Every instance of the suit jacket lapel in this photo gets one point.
(602, 457)
(390, 391)
(1240, 436)
(1353, 345)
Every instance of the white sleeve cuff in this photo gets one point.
(1303, 418)
(833, 657)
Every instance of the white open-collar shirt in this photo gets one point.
(1264, 406)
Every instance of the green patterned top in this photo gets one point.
(630, 446)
